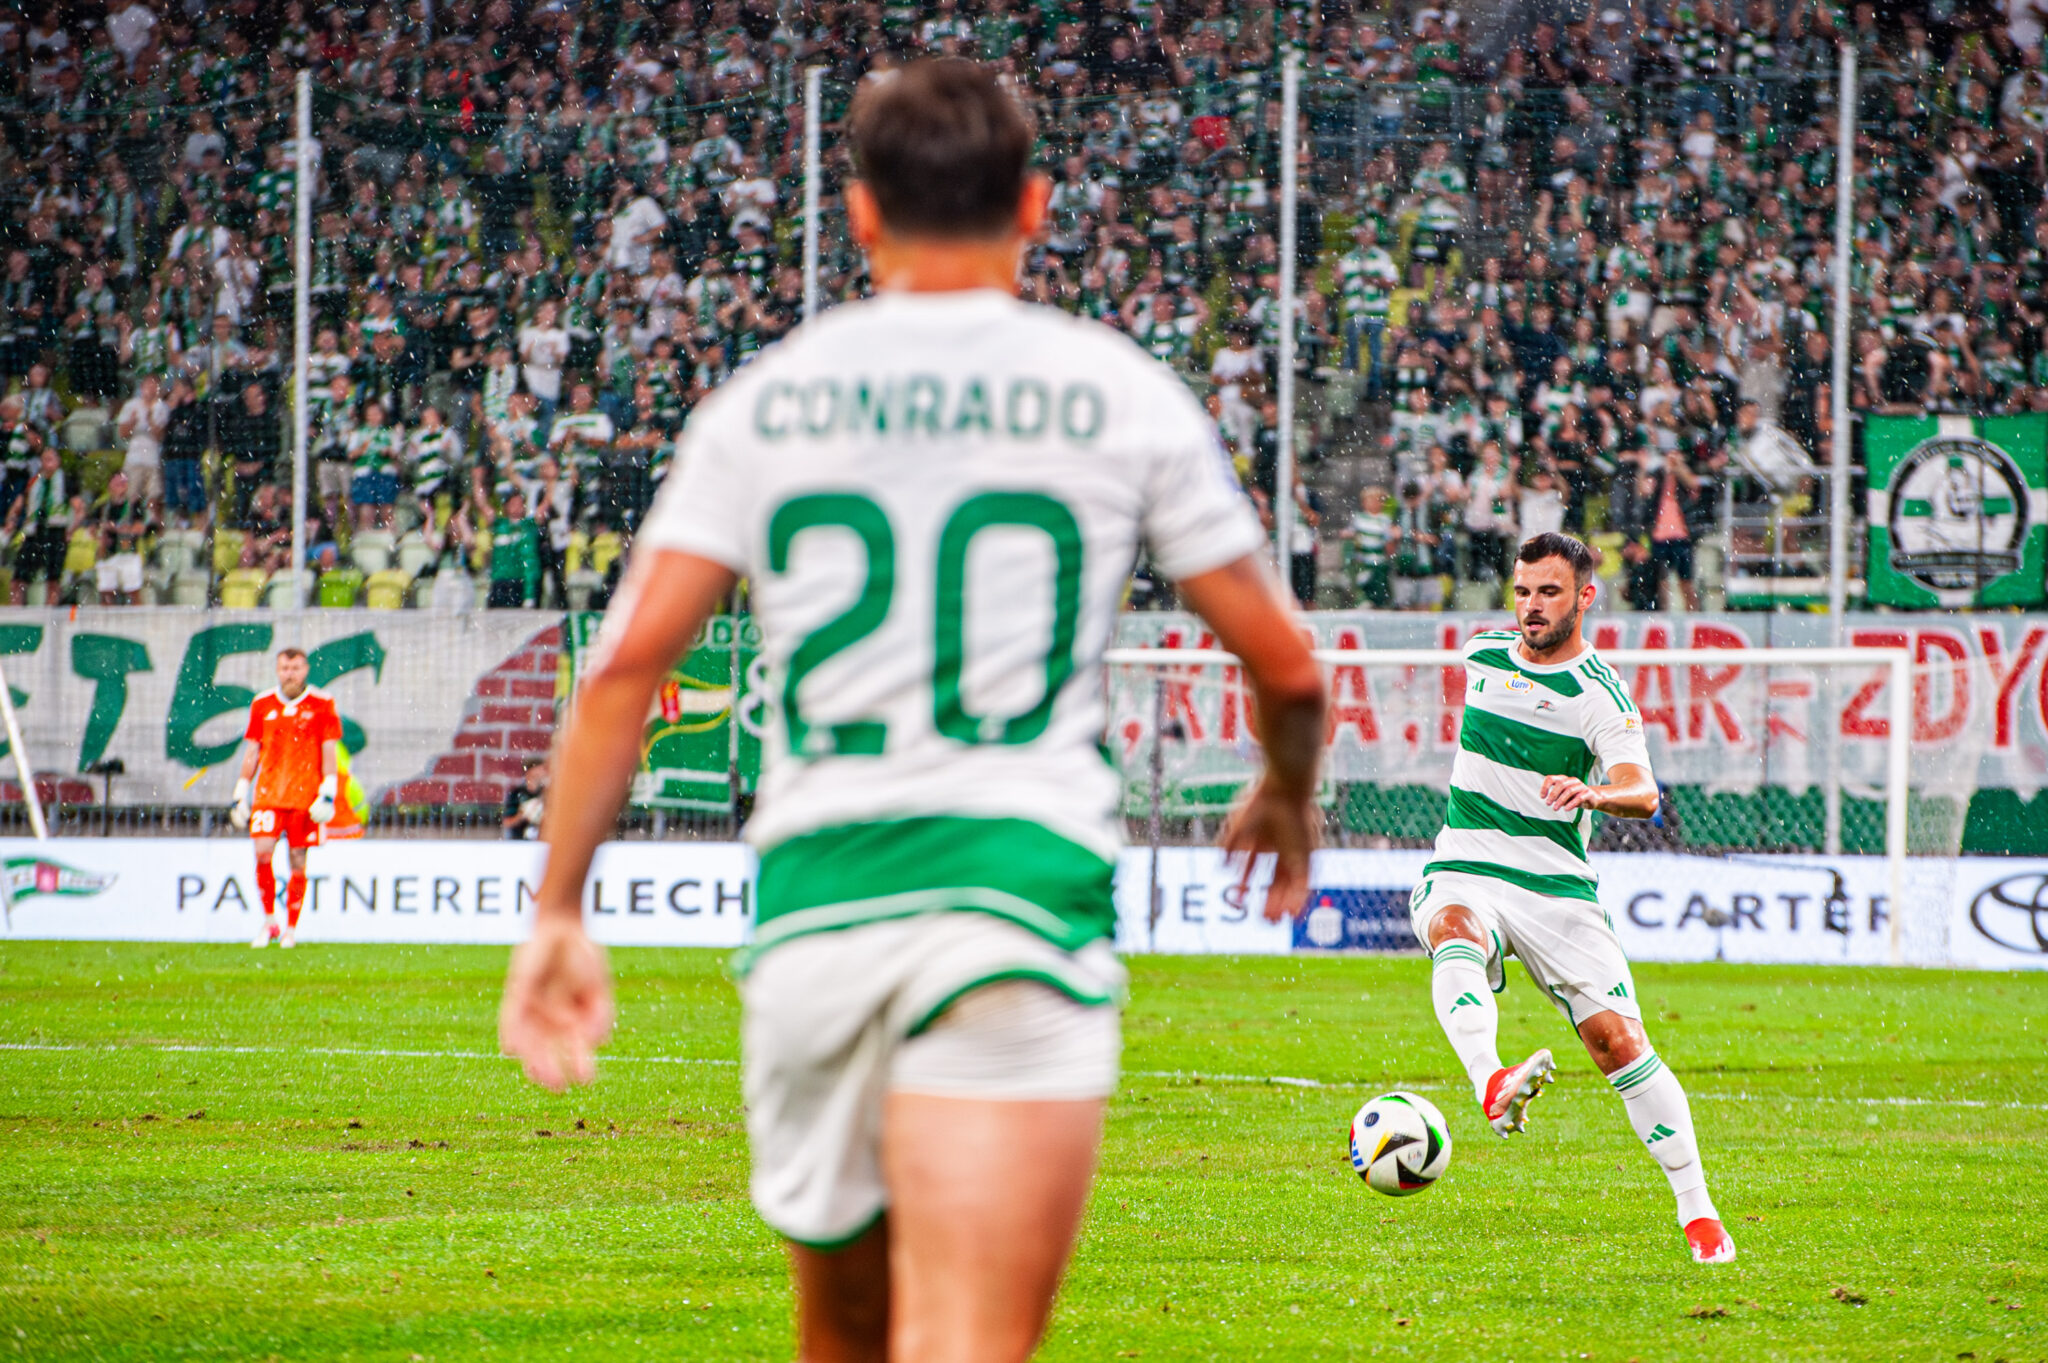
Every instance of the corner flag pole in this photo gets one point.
(1283, 480)
(1838, 454)
(302, 325)
(814, 101)
(24, 770)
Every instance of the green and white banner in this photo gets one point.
(1958, 510)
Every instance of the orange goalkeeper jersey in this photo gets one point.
(289, 735)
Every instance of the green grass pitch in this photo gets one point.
(211, 1153)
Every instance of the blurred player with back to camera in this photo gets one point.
(1510, 876)
(938, 495)
(289, 786)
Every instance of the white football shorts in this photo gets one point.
(1568, 946)
(962, 1005)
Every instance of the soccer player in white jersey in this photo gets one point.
(937, 495)
(1543, 715)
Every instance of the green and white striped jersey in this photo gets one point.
(938, 498)
(1523, 722)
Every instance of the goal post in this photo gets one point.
(1759, 732)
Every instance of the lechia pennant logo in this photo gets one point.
(1958, 516)
(26, 877)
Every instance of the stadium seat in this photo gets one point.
(227, 551)
(339, 587)
(178, 550)
(604, 549)
(279, 595)
(451, 589)
(581, 584)
(385, 590)
(190, 588)
(372, 551)
(82, 552)
(242, 588)
(415, 555)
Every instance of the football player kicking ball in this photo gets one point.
(1510, 877)
(938, 495)
(288, 786)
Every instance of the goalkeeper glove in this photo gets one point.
(238, 815)
(323, 805)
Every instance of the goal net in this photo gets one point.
(1766, 756)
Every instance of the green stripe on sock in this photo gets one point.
(1636, 1075)
(1458, 951)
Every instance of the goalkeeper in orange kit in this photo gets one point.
(289, 785)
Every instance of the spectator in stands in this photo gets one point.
(121, 519)
(184, 450)
(1642, 199)
(45, 515)
(249, 440)
(143, 421)
(523, 802)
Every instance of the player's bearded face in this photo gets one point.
(1546, 622)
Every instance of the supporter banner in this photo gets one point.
(435, 708)
(1958, 509)
(1979, 913)
(692, 755)
(1980, 709)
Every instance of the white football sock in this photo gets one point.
(1663, 1120)
(1465, 1008)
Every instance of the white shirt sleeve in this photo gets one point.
(704, 509)
(1615, 734)
(1195, 515)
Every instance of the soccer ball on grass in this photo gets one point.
(1400, 1144)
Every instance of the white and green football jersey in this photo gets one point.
(1523, 722)
(938, 498)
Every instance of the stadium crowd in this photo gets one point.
(1550, 278)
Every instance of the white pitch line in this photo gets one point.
(1203, 1076)
(369, 1052)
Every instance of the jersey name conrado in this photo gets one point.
(1524, 722)
(938, 499)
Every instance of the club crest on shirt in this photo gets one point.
(1519, 683)
(1542, 705)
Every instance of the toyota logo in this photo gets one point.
(2014, 912)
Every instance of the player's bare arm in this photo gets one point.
(1241, 602)
(558, 1006)
(1630, 792)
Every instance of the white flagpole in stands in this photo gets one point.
(302, 324)
(814, 102)
(1838, 454)
(24, 770)
(1283, 480)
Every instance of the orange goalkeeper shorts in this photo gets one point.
(295, 826)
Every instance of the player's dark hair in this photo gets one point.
(291, 653)
(1556, 544)
(943, 147)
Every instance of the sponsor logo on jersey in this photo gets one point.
(1519, 683)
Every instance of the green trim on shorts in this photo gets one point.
(1090, 998)
(1557, 887)
(835, 1245)
(870, 872)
